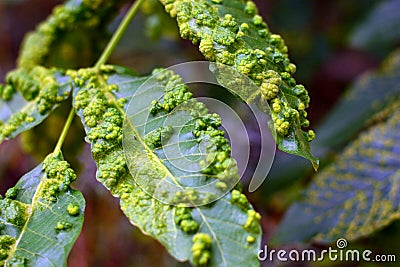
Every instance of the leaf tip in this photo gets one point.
(315, 164)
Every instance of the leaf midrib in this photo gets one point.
(31, 208)
(158, 161)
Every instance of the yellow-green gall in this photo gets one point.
(112, 88)
(250, 239)
(121, 102)
(273, 77)
(276, 105)
(277, 41)
(63, 226)
(14, 212)
(263, 33)
(310, 135)
(305, 123)
(228, 17)
(250, 8)
(107, 68)
(281, 127)
(183, 218)
(240, 34)
(201, 249)
(29, 119)
(291, 68)
(6, 243)
(6, 92)
(269, 90)
(50, 189)
(225, 57)
(207, 47)
(73, 209)
(224, 36)
(171, 9)
(257, 20)
(189, 226)
(253, 222)
(157, 137)
(239, 199)
(12, 193)
(244, 27)
(221, 186)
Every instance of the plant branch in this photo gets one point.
(65, 130)
(102, 60)
(118, 33)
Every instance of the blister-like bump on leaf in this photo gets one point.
(29, 97)
(231, 32)
(36, 225)
(100, 99)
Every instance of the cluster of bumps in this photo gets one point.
(35, 83)
(102, 112)
(229, 39)
(14, 213)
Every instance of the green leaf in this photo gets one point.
(41, 217)
(231, 32)
(29, 97)
(371, 93)
(209, 235)
(370, 98)
(355, 196)
(73, 16)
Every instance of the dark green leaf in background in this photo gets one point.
(354, 197)
(379, 33)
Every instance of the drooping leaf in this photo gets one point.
(208, 235)
(29, 97)
(31, 90)
(231, 32)
(355, 196)
(75, 15)
(368, 97)
(378, 33)
(41, 217)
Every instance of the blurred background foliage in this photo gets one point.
(339, 48)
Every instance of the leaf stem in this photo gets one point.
(65, 130)
(118, 33)
(102, 60)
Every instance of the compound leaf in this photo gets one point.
(355, 196)
(41, 217)
(231, 32)
(133, 170)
